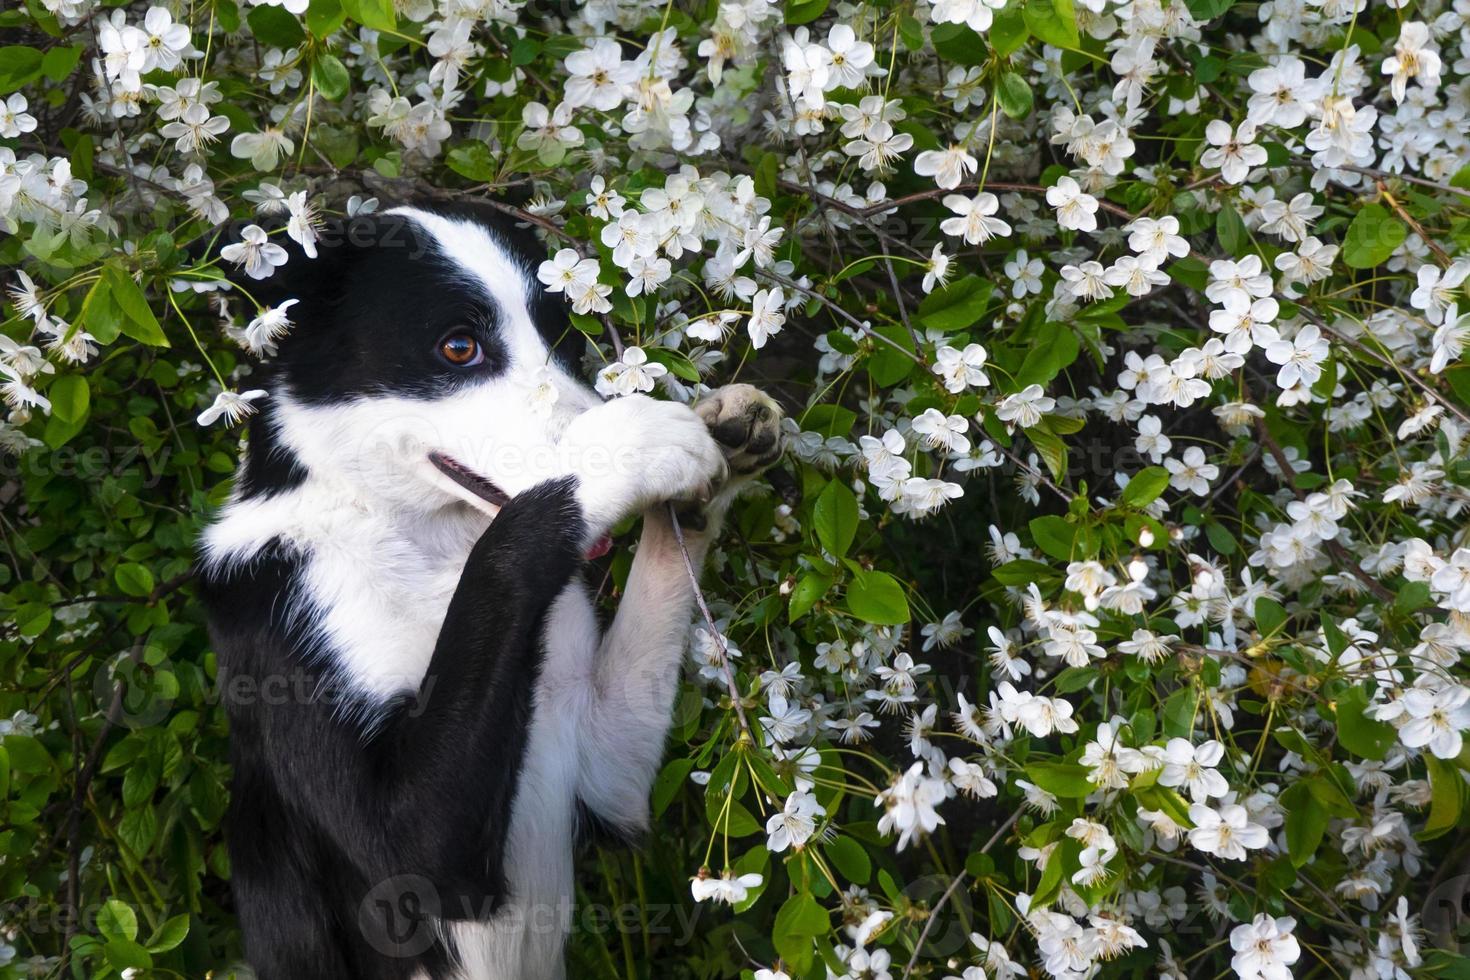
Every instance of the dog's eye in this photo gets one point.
(461, 350)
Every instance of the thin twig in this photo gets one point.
(1337, 551)
(1408, 219)
(710, 621)
(934, 912)
(867, 330)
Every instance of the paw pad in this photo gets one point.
(746, 422)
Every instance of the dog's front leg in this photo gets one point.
(637, 671)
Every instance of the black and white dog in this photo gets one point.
(432, 710)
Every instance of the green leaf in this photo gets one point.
(799, 921)
(804, 11)
(134, 579)
(957, 43)
(1372, 237)
(1054, 347)
(956, 306)
(1008, 31)
(1065, 856)
(1191, 272)
(889, 365)
(1053, 21)
(274, 26)
(1055, 536)
(1179, 711)
(1306, 823)
(877, 597)
(1270, 616)
(27, 754)
(117, 920)
(100, 316)
(1014, 95)
(139, 321)
(69, 396)
(835, 516)
(57, 63)
(1145, 486)
(123, 954)
(1358, 733)
(475, 161)
(1337, 641)
(1414, 596)
(324, 16)
(1051, 448)
(1022, 572)
(377, 14)
(1231, 230)
(330, 76)
(829, 420)
(1446, 797)
(670, 779)
(169, 935)
(911, 32)
(805, 594)
(19, 65)
(766, 778)
(1220, 538)
(1204, 10)
(851, 859)
(1065, 780)
(678, 363)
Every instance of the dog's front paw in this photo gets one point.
(746, 422)
(635, 451)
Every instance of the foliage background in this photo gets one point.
(1296, 646)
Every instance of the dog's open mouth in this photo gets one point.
(467, 478)
(486, 490)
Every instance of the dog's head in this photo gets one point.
(426, 365)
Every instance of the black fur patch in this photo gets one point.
(348, 843)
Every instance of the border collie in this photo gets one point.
(398, 574)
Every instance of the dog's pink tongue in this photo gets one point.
(600, 547)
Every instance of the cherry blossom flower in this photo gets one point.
(975, 223)
(728, 887)
(767, 316)
(599, 77)
(633, 373)
(1075, 210)
(1233, 151)
(1300, 358)
(231, 406)
(14, 120)
(1227, 832)
(1413, 57)
(1026, 407)
(256, 252)
(948, 167)
(1192, 766)
(1264, 948)
(794, 825)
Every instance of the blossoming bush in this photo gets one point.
(1108, 612)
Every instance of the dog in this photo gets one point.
(434, 713)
